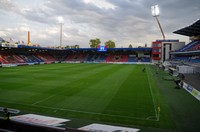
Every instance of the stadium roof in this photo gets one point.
(74, 49)
(191, 30)
(77, 49)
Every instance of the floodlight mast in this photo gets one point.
(155, 12)
(60, 20)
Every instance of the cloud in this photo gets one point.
(101, 4)
(124, 21)
(7, 5)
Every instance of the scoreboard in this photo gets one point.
(102, 48)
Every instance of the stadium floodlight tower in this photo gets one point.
(60, 21)
(155, 12)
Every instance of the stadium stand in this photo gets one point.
(123, 58)
(189, 46)
(132, 59)
(195, 59)
(76, 57)
(89, 57)
(8, 59)
(145, 59)
(196, 47)
(102, 58)
(110, 58)
(21, 55)
(45, 57)
(69, 58)
(23, 59)
(189, 54)
(30, 58)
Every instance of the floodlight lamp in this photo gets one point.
(155, 10)
(152, 11)
(60, 19)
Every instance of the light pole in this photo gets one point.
(155, 12)
(6, 33)
(61, 21)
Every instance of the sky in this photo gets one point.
(123, 21)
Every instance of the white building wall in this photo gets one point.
(166, 49)
(177, 45)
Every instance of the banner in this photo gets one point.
(107, 128)
(9, 45)
(191, 90)
(38, 119)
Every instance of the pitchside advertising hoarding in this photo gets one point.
(107, 128)
(39, 119)
(192, 90)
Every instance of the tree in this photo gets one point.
(94, 43)
(76, 46)
(110, 44)
(67, 46)
(98, 41)
(72, 46)
(130, 46)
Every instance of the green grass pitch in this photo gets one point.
(86, 93)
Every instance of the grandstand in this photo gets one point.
(35, 55)
(190, 53)
(186, 60)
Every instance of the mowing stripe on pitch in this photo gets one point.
(151, 94)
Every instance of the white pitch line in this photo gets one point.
(85, 112)
(44, 99)
(152, 95)
(93, 113)
(52, 96)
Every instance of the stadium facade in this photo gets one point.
(161, 49)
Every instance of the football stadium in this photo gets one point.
(101, 88)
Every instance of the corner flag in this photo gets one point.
(158, 109)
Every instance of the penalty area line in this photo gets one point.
(77, 111)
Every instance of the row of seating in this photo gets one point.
(187, 59)
(106, 58)
(24, 59)
(194, 45)
(47, 58)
